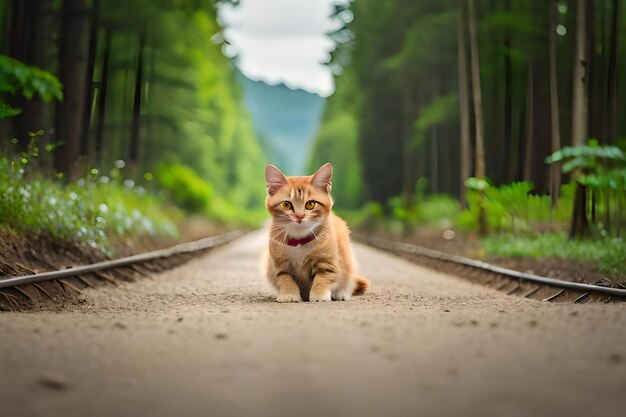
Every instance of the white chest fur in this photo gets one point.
(297, 255)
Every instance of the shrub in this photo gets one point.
(16, 77)
(512, 207)
(185, 187)
(89, 210)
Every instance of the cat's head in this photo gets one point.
(299, 204)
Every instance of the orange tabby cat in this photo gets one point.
(309, 249)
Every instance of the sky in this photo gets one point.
(282, 41)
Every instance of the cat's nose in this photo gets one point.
(299, 218)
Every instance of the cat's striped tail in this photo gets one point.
(362, 285)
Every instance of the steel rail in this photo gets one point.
(183, 248)
(473, 263)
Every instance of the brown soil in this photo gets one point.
(21, 255)
(28, 254)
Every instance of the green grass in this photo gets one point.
(95, 209)
(90, 210)
(608, 254)
(516, 219)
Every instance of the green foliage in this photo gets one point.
(424, 40)
(90, 210)
(613, 179)
(368, 216)
(477, 184)
(194, 133)
(402, 56)
(336, 142)
(439, 211)
(601, 169)
(600, 166)
(513, 21)
(185, 187)
(512, 207)
(29, 81)
(439, 110)
(193, 115)
(610, 255)
(589, 158)
(7, 111)
(195, 195)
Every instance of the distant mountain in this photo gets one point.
(285, 120)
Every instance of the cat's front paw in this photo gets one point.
(288, 298)
(323, 295)
(341, 295)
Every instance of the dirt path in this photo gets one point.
(206, 339)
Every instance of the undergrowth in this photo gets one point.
(520, 223)
(608, 253)
(91, 210)
(184, 187)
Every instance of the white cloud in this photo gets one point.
(283, 41)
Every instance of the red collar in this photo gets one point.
(295, 242)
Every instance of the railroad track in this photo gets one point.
(502, 279)
(18, 292)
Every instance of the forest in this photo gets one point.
(105, 90)
(459, 97)
(495, 118)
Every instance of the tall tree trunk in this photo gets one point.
(478, 109)
(611, 93)
(102, 99)
(19, 14)
(555, 169)
(72, 62)
(580, 224)
(579, 97)
(149, 124)
(591, 73)
(434, 162)
(476, 94)
(466, 153)
(136, 124)
(408, 183)
(19, 17)
(508, 100)
(530, 122)
(493, 109)
(89, 83)
(30, 42)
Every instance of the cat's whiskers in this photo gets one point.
(314, 234)
(279, 233)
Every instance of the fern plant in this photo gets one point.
(29, 81)
(596, 169)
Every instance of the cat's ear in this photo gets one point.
(322, 177)
(274, 178)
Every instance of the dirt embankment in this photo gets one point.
(22, 254)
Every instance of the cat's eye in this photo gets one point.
(285, 205)
(310, 205)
